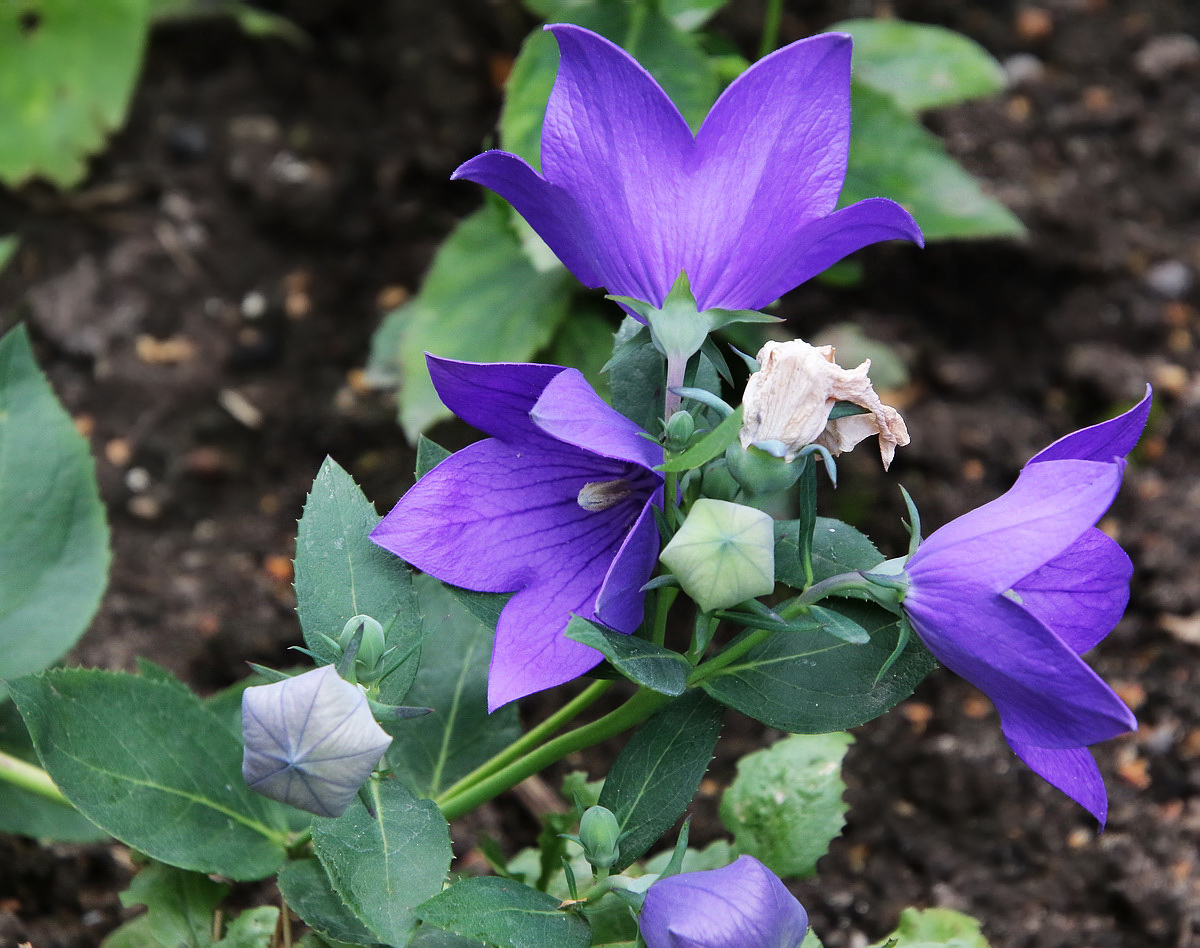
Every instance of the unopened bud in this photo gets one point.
(723, 554)
(680, 429)
(370, 648)
(761, 472)
(600, 836)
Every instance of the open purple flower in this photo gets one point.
(311, 741)
(742, 905)
(628, 198)
(555, 507)
(1010, 595)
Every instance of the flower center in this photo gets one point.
(600, 495)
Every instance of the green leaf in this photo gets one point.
(893, 155)
(30, 814)
(307, 890)
(133, 934)
(430, 937)
(69, 73)
(935, 928)
(710, 446)
(642, 662)
(253, 928)
(151, 766)
(836, 548)
(482, 301)
(383, 867)
(53, 536)
(655, 777)
(8, 247)
(919, 66)
(584, 341)
(810, 682)
(690, 14)
(180, 905)
(429, 455)
(437, 749)
(340, 573)
(638, 381)
(671, 55)
(505, 913)
(785, 805)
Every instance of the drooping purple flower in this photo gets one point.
(1010, 595)
(311, 741)
(555, 507)
(742, 905)
(628, 197)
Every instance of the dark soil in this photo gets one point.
(203, 303)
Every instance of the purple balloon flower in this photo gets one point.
(1010, 595)
(743, 905)
(311, 741)
(555, 507)
(629, 197)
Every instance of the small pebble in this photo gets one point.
(1169, 278)
(187, 142)
(254, 305)
(137, 479)
(1023, 69)
(1164, 55)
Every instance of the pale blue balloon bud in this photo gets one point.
(311, 741)
(723, 554)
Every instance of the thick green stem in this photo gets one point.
(631, 713)
(28, 777)
(735, 651)
(522, 745)
(771, 20)
(663, 600)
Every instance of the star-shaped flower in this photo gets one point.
(629, 198)
(1011, 594)
(555, 507)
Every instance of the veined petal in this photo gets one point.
(551, 211)
(1081, 594)
(787, 260)
(1073, 770)
(571, 411)
(494, 516)
(620, 604)
(495, 397)
(1046, 694)
(617, 143)
(1047, 510)
(1110, 439)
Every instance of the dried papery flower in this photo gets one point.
(790, 398)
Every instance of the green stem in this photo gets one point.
(631, 713)
(771, 21)
(663, 601)
(559, 719)
(735, 651)
(30, 778)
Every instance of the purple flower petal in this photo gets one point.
(1110, 439)
(1072, 770)
(996, 545)
(1045, 693)
(743, 905)
(495, 397)
(621, 602)
(1081, 594)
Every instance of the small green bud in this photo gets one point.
(371, 646)
(680, 429)
(600, 837)
(760, 472)
(723, 554)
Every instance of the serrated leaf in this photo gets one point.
(29, 814)
(309, 893)
(836, 548)
(53, 535)
(669, 54)
(383, 867)
(482, 301)
(920, 66)
(180, 905)
(69, 73)
(435, 750)
(812, 683)
(893, 155)
(935, 928)
(655, 777)
(340, 573)
(429, 455)
(785, 805)
(505, 913)
(151, 766)
(642, 662)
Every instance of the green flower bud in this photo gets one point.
(723, 554)
(680, 429)
(600, 836)
(761, 472)
(370, 648)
